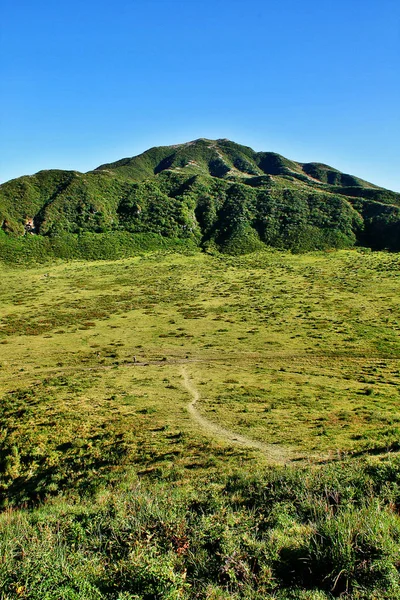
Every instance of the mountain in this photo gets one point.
(214, 192)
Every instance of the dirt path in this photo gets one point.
(274, 453)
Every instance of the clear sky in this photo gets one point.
(84, 82)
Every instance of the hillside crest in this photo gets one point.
(214, 192)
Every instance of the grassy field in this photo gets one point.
(297, 353)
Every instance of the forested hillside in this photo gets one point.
(216, 194)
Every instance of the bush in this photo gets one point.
(356, 550)
(87, 246)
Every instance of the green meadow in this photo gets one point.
(201, 426)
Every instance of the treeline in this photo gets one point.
(86, 246)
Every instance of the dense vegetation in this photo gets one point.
(213, 193)
(110, 489)
(293, 534)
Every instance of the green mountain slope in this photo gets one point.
(216, 193)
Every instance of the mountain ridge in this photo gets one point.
(215, 192)
(320, 169)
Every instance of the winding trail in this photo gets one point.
(274, 453)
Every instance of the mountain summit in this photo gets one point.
(216, 192)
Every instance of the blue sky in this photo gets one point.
(84, 82)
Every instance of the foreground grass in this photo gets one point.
(282, 534)
(301, 352)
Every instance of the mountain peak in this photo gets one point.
(212, 191)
